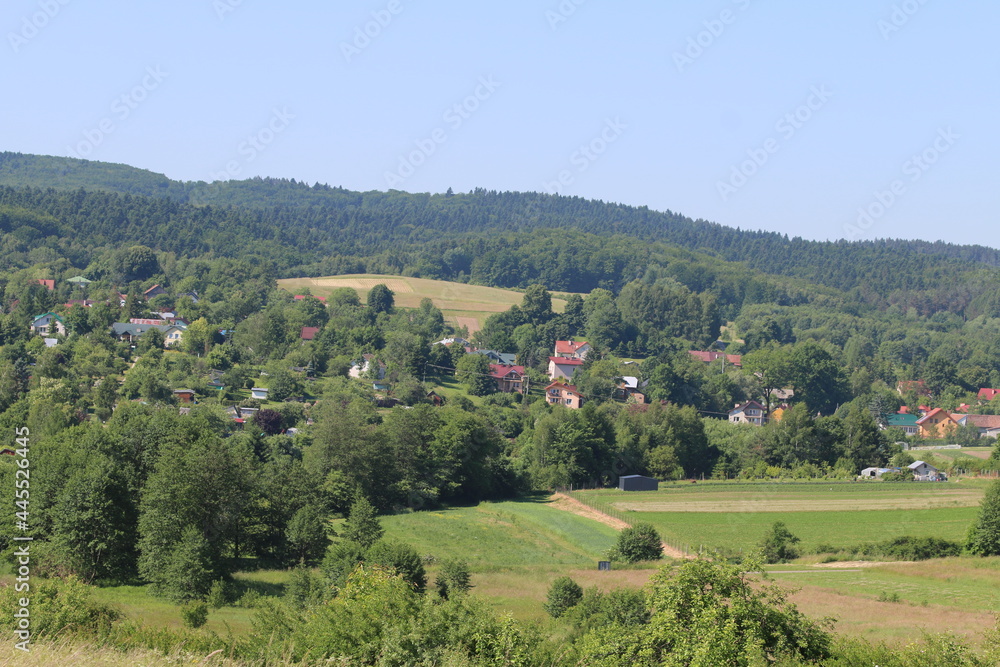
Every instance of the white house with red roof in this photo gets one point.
(508, 378)
(563, 368)
(570, 349)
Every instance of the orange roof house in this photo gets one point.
(986, 394)
(938, 423)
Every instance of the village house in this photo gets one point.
(561, 368)
(711, 355)
(508, 378)
(630, 389)
(986, 395)
(131, 332)
(184, 395)
(876, 473)
(568, 349)
(925, 472)
(364, 364)
(558, 393)
(155, 290)
(905, 421)
(47, 284)
(47, 324)
(988, 425)
(260, 393)
(299, 297)
(750, 412)
(308, 333)
(503, 358)
(78, 281)
(937, 423)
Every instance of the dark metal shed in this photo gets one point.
(637, 483)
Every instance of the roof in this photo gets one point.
(707, 357)
(903, 420)
(568, 388)
(183, 391)
(507, 358)
(48, 284)
(146, 320)
(988, 394)
(569, 346)
(299, 297)
(563, 361)
(133, 329)
(984, 421)
(154, 288)
(917, 464)
(631, 382)
(38, 317)
(500, 371)
(936, 412)
(744, 406)
(79, 280)
(308, 333)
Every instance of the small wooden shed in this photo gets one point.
(637, 483)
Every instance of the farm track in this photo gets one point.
(563, 502)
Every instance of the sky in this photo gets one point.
(859, 119)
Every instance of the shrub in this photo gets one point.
(219, 594)
(195, 614)
(912, 548)
(563, 595)
(636, 543)
(777, 545)
(453, 579)
(984, 534)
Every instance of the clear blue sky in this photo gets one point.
(818, 107)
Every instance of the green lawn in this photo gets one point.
(735, 516)
(509, 534)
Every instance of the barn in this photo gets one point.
(637, 483)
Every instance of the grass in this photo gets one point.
(734, 517)
(461, 304)
(511, 534)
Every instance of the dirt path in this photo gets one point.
(569, 504)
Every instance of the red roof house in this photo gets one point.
(988, 394)
(47, 284)
(561, 367)
(710, 356)
(508, 378)
(308, 333)
(299, 297)
(570, 349)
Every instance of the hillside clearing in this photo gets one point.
(462, 304)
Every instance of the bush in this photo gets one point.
(195, 614)
(219, 594)
(636, 543)
(912, 548)
(777, 544)
(453, 579)
(984, 534)
(564, 594)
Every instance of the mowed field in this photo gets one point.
(462, 305)
(734, 517)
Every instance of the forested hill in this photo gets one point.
(311, 229)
